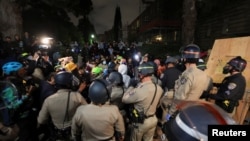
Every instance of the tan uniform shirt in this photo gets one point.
(95, 122)
(191, 84)
(116, 96)
(55, 106)
(142, 96)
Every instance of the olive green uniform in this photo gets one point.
(142, 97)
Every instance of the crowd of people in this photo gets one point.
(111, 92)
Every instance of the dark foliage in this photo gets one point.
(51, 18)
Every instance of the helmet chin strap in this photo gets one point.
(233, 71)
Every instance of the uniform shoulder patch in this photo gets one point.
(232, 86)
(183, 80)
(132, 92)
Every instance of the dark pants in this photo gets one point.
(28, 130)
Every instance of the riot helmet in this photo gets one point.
(64, 79)
(192, 119)
(201, 65)
(154, 66)
(237, 64)
(146, 69)
(115, 78)
(99, 91)
(11, 67)
(191, 51)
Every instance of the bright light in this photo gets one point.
(46, 40)
(136, 57)
(45, 43)
(158, 38)
(92, 36)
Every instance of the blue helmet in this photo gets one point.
(99, 91)
(191, 51)
(238, 63)
(64, 78)
(115, 78)
(11, 67)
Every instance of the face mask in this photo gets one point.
(226, 69)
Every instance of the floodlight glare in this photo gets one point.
(46, 40)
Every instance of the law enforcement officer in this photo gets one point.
(154, 77)
(170, 75)
(144, 98)
(193, 81)
(61, 106)
(115, 78)
(232, 88)
(98, 120)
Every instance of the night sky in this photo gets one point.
(103, 13)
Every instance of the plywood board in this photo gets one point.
(224, 50)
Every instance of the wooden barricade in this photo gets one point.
(224, 50)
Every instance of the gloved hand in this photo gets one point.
(168, 117)
(133, 82)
